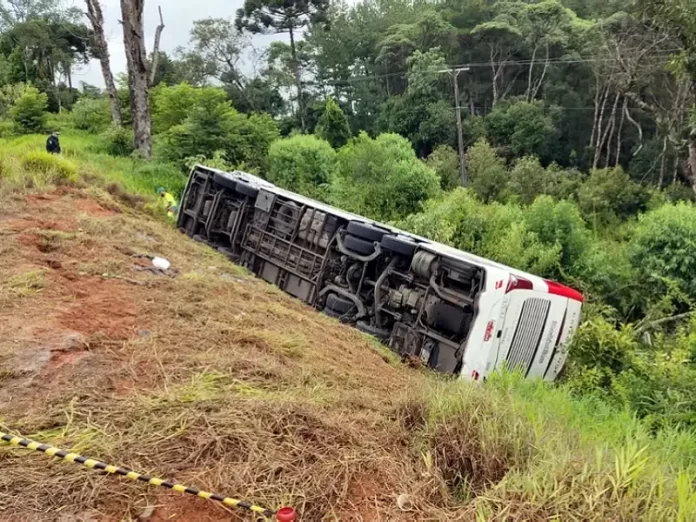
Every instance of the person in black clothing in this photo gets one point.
(53, 143)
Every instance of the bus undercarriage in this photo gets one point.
(383, 282)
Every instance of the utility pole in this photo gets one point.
(464, 178)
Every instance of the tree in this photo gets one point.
(29, 111)
(212, 125)
(444, 160)
(663, 249)
(100, 49)
(679, 17)
(487, 174)
(304, 164)
(220, 46)
(280, 16)
(333, 125)
(521, 128)
(138, 77)
(382, 178)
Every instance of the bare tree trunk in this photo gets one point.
(601, 136)
(101, 51)
(610, 130)
(134, 41)
(638, 126)
(662, 164)
(539, 83)
(495, 75)
(155, 50)
(618, 138)
(298, 79)
(692, 159)
(530, 75)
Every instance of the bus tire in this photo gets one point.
(359, 246)
(365, 231)
(400, 246)
(246, 190)
(338, 304)
(373, 330)
(224, 180)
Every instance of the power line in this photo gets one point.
(559, 61)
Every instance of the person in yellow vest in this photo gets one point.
(170, 201)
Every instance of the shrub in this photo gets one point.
(333, 125)
(521, 128)
(9, 94)
(528, 180)
(663, 248)
(487, 174)
(50, 167)
(444, 160)
(304, 164)
(382, 178)
(29, 111)
(171, 105)
(119, 141)
(91, 114)
(60, 121)
(559, 222)
(609, 194)
(214, 125)
(7, 128)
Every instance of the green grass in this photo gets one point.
(85, 151)
(236, 364)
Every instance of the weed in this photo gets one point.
(24, 284)
(51, 167)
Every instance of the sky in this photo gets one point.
(178, 19)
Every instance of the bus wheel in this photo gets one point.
(359, 246)
(399, 246)
(246, 190)
(365, 231)
(225, 180)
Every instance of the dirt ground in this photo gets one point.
(204, 376)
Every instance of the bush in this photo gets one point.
(610, 194)
(444, 160)
(29, 111)
(333, 125)
(50, 167)
(7, 128)
(487, 174)
(91, 114)
(382, 178)
(304, 164)
(528, 180)
(663, 249)
(521, 128)
(119, 141)
(214, 125)
(171, 105)
(60, 121)
(560, 223)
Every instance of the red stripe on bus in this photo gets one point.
(564, 291)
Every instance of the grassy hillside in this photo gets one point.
(220, 381)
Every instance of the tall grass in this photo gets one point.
(87, 152)
(532, 451)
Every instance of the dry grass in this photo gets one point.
(220, 381)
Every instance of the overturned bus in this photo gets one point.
(459, 313)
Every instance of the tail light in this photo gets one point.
(518, 283)
(475, 375)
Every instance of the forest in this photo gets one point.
(556, 136)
